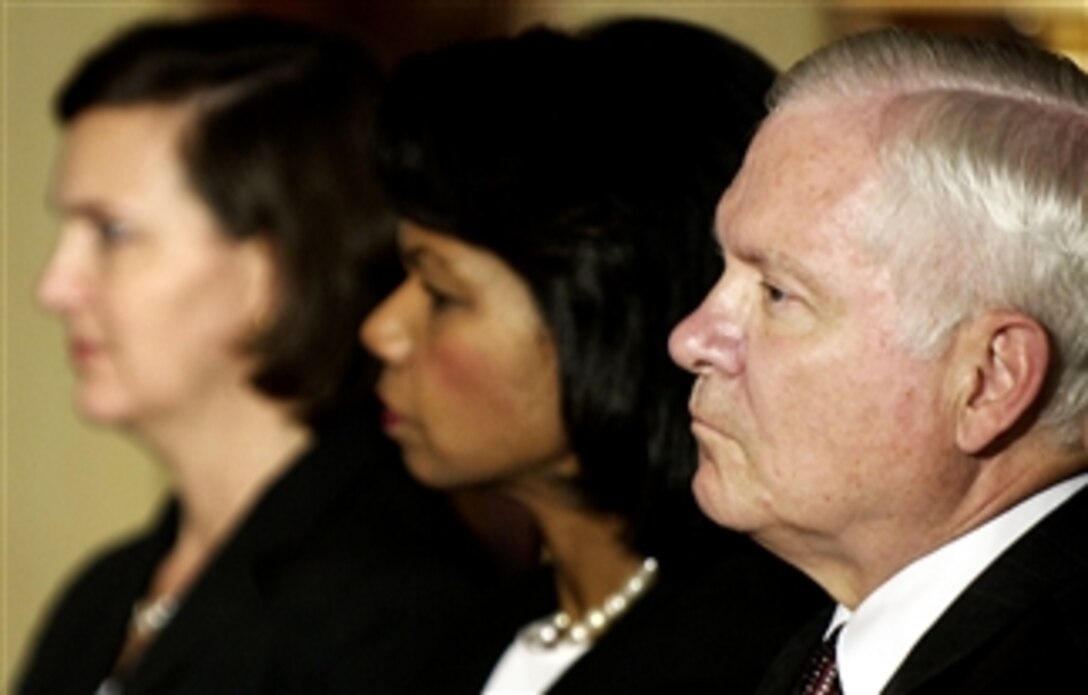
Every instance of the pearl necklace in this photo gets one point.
(561, 628)
(148, 617)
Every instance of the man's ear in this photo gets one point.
(1003, 358)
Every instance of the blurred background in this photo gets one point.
(67, 489)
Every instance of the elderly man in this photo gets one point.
(893, 370)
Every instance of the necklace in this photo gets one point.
(150, 616)
(561, 628)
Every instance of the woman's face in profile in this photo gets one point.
(470, 373)
(154, 298)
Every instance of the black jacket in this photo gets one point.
(1020, 627)
(341, 580)
(711, 627)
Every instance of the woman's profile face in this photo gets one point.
(470, 373)
(155, 299)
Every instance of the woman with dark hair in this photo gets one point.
(556, 197)
(217, 220)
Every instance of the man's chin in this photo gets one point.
(723, 500)
(706, 486)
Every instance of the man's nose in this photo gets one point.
(710, 339)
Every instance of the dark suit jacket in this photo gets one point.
(341, 580)
(1020, 627)
(706, 629)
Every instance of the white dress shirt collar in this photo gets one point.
(880, 634)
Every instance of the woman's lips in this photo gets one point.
(390, 419)
(82, 351)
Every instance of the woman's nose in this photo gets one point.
(66, 279)
(386, 332)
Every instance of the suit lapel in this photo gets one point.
(105, 612)
(224, 629)
(1046, 558)
(784, 675)
(217, 632)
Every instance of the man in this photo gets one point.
(893, 370)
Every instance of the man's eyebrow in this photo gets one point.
(769, 258)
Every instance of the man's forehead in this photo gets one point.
(802, 160)
(804, 194)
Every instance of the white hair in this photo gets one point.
(983, 202)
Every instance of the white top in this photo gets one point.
(528, 670)
(109, 687)
(890, 621)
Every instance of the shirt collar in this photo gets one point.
(880, 634)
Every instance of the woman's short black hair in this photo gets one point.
(278, 147)
(592, 164)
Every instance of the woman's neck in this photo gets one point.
(220, 461)
(591, 558)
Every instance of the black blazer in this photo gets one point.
(706, 629)
(341, 580)
(1020, 627)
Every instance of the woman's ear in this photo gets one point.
(261, 266)
(1004, 357)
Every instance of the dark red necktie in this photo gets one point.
(822, 672)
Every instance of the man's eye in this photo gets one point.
(773, 294)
